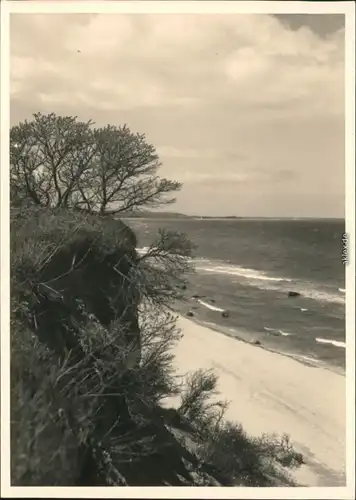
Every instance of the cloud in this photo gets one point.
(144, 60)
(239, 99)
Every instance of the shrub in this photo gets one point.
(196, 400)
(234, 457)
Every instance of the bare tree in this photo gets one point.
(61, 161)
(125, 174)
(48, 157)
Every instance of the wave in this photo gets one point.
(306, 291)
(264, 281)
(279, 332)
(307, 358)
(244, 272)
(335, 343)
(209, 306)
(322, 295)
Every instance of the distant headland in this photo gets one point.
(178, 215)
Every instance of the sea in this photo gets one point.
(248, 266)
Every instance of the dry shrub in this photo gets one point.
(237, 458)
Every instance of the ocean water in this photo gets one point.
(247, 266)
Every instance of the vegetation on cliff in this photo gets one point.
(92, 327)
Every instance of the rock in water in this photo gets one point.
(225, 314)
(293, 294)
(190, 313)
(257, 342)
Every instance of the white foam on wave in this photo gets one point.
(209, 306)
(323, 296)
(335, 343)
(303, 309)
(210, 324)
(285, 334)
(309, 293)
(307, 358)
(275, 330)
(263, 281)
(244, 272)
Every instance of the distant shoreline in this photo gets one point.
(163, 216)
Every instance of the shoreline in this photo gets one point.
(272, 393)
(299, 358)
(193, 304)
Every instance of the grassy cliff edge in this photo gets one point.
(88, 379)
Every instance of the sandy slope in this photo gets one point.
(269, 392)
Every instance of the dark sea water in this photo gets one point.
(247, 267)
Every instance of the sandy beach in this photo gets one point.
(271, 393)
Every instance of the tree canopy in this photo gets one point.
(60, 161)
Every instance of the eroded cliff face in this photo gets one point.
(69, 264)
(74, 301)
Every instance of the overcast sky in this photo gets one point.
(247, 111)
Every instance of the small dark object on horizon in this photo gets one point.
(225, 314)
(293, 294)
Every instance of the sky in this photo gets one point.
(247, 111)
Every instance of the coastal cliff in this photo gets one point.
(71, 281)
(91, 366)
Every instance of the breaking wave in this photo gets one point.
(336, 343)
(265, 281)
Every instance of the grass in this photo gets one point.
(91, 365)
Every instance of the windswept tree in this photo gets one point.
(63, 162)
